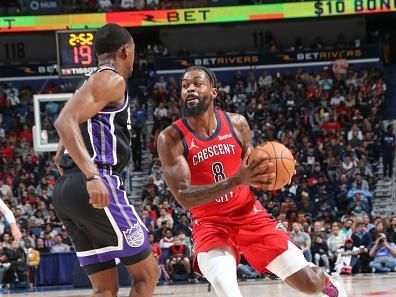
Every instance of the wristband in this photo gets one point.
(93, 177)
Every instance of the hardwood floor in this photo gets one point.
(356, 286)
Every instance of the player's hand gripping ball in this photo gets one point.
(283, 163)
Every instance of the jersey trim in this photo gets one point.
(199, 136)
(185, 150)
(118, 107)
(232, 128)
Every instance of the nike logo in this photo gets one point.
(222, 137)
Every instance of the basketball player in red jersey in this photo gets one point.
(204, 158)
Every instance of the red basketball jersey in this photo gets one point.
(213, 159)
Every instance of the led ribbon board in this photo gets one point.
(205, 15)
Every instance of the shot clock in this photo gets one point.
(76, 54)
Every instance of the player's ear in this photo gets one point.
(125, 50)
(214, 93)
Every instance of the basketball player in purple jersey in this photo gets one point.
(89, 197)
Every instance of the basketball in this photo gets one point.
(282, 159)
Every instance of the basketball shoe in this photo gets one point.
(333, 288)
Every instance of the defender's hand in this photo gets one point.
(255, 173)
(98, 194)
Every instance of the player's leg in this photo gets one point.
(267, 246)
(70, 201)
(145, 275)
(104, 279)
(219, 268)
(306, 277)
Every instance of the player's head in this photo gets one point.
(198, 90)
(114, 41)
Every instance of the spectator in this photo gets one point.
(148, 221)
(355, 129)
(303, 240)
(40, 247)
(384, 254)
(139, 116)
(319, 230)
(319, 251)
(346, 230)
(347, 260)
(337, 99)
(4, 189)
(360, 183)
(388, 149)
(156, 250)
(362, 240)
(161, 112)
(33, 261)
(65, 237)
(4, 266)
(178, 261)
(6, 242)
(335, 241)
(378, 229)
(168, 240)
(367, 223)
(165, 218)
(59, 247)
(151, 190)
(391, 231)
(358, 206)
(17, 271)
(183, 225)
(159, 182)
(37, 220)
(53, 221)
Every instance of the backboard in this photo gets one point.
(46, 109)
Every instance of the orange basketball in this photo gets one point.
(282, 160)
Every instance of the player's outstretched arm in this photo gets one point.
(178, 176)
(16, 233)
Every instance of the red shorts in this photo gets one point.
(254, 233)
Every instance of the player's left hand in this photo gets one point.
(98, 194)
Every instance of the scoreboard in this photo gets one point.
(76, 53)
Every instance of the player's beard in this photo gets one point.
(196, 110)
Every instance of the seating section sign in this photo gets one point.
(205, 15)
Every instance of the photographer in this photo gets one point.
(384, 254)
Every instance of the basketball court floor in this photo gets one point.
(356, 286)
